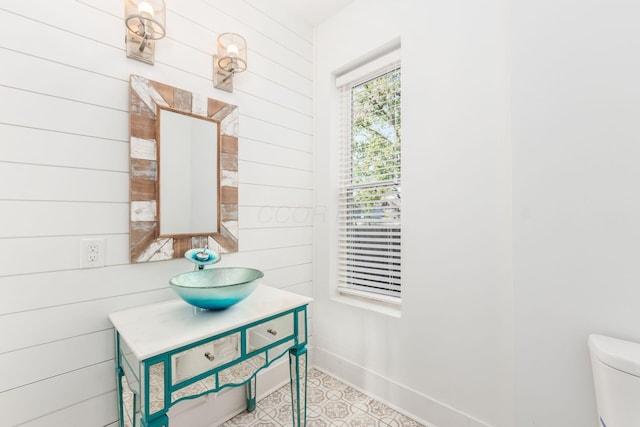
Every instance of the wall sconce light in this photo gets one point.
(145, 20)
(231, 59)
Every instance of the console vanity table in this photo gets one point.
(171, 351)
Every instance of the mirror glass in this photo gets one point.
(183, 172)
(188, 186)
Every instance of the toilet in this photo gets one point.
(616, 377)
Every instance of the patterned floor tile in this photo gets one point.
(251, 419)
(283, 414)
(380, 410)
(360, 419)
(316, 419)
(404, 421)
(271, 403)
(330, 403)
(352, 395)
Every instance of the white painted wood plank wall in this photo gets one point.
(64, 177)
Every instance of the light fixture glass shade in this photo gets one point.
(232, 53)
(146, 18)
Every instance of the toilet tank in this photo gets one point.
(616, 377)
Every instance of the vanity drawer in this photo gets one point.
(269, 332)
(197, 360)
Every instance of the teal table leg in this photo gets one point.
(119, 391)
(162, 421)
(298, 369)
(251, 393)
(134, 415)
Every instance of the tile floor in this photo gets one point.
(330, 403)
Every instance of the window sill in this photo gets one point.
(382, 304)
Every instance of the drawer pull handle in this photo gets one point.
(209, 356)
(272, 332)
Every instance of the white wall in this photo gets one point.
(576, 145)
(64, 174)
(448, 358)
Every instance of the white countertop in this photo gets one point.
(157, 328)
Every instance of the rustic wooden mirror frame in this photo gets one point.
(146, 98)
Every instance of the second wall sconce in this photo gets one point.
(231, 59)
(145, 20)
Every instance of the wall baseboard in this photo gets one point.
(409, 402)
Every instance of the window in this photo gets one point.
(369, 227)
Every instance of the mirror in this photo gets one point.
(188, 184)
(183, 172)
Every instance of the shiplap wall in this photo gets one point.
(64, 177)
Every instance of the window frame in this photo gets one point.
(369, 71)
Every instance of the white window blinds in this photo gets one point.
(369, 228)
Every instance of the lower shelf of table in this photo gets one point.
(233, 376)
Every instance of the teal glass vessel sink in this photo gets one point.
(216, 288)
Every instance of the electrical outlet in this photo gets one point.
(92, 252)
